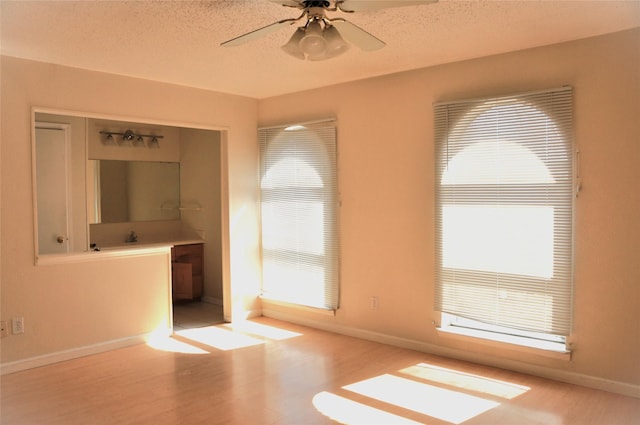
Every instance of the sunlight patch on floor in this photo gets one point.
(225, 337)
(347, 411)
(219, 338)
(167, 343)
(440, 403)
(466, 381)
(265, 331)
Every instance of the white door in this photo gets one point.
(52, 188)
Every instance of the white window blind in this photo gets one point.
(504, 210)
(299, 214)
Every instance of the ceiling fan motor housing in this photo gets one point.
(316, 3)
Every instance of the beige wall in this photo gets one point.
(386, 177)
(73, 305)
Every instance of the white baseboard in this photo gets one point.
(517, 366)
(60, 356)
(618, 387)
(251, 314)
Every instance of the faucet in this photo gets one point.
(132, 237)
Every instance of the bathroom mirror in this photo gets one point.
(133, 191)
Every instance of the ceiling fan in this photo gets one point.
(320, 37)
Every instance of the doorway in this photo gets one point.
(201, 199)
(204, 203)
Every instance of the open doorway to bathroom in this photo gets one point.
(202, 204)
(137, 205)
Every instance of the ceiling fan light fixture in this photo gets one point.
(293, 45)
(335, 43)
(313, 42)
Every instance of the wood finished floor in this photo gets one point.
(269, 372)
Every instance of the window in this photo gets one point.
(299, 215)
(504, 214)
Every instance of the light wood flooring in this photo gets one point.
(266, 371)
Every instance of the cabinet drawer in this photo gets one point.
(188, 274)
(182, 281)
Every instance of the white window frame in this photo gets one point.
(450, 117)
(299, 204)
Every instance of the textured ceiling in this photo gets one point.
(179, 41)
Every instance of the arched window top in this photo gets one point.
(503, 142)
(295, 163)
(477, 164)
(291, 171)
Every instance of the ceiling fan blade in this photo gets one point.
(361, 5)
(289, 3)
(357, 35)
(257, 33)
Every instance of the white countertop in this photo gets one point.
(150, 244)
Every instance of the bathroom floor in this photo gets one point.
(196, 314)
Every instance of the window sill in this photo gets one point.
(542, 348)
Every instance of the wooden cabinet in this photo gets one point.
(187, 271)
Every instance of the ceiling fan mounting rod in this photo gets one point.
(315, 13)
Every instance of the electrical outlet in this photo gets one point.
(373, 303)
(4, 331)
(17, 324)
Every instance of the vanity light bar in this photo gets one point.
(133, 138)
